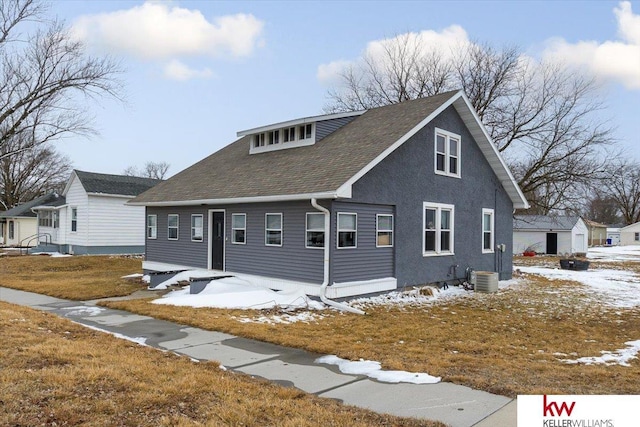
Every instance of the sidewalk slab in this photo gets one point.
(228, 356)
(452, 404)
(506, 416)
(312, 379)
(191, 337)
(29, 299)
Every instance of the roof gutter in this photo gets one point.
(325, 282)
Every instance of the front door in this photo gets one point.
(217, 240)
(552, 243)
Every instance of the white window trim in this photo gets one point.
(438, 207)
(447, 136)
(201, 239)
(493, 231)
(233, 229)
(154, 228)
(266, 230)
(316, 230)
(378, 230)
(338, 230)
(177, 227)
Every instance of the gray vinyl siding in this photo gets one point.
(365, 261)
(182, 251)
(325, 127)
(406, 179)
(291, 261)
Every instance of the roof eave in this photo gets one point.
(251, 199)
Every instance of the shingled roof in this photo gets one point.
(544, 222)
(24, 210)
(99, 183)
(326, 169)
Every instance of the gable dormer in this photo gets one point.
(295, 133)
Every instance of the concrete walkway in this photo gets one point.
(452, 404)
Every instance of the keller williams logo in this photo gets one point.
(548, 408)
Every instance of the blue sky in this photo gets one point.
(197, 72)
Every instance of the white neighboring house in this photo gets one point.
(630, 235)
(552, 235)
(19, 225)
(93, 217)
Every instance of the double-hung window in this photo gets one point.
(239, 228)
(74, 219)
(315, 230)
(273, 229)
(173, 224)
(347, 230)
(197, 227)
(636, 237)
(487, 230)
(305, 131)
(152, 226)
(447, 153)
(438, 229)
(384, 230)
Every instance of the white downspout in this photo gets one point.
(325, 282)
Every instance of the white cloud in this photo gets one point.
(446, 41)
(176, 70)
(157, 31)
(613, 59)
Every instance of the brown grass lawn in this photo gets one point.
(55, 372)
(78, 278)
(509, 343)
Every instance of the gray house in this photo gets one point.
(407, 194)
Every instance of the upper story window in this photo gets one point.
(438, 229)
(280, 139)
(173, 224)
(447, 153)
(637, 237)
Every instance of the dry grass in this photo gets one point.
(508, 343)
(78, 278)
(58, 373)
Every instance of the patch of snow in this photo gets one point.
(286, 318)
(137, 340)
(83, 311)
(618, 288)
(183, 277)
(373, 370)
(619, 357)
(615, 253)
(53, 254)
(132, 276)
(232, 292)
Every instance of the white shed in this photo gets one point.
(553, 235)
(630, 235)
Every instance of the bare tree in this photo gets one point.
(543, 117)
(622, 185)
(46, 80)
(155, 170)
(31, 173)
(602, 208)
